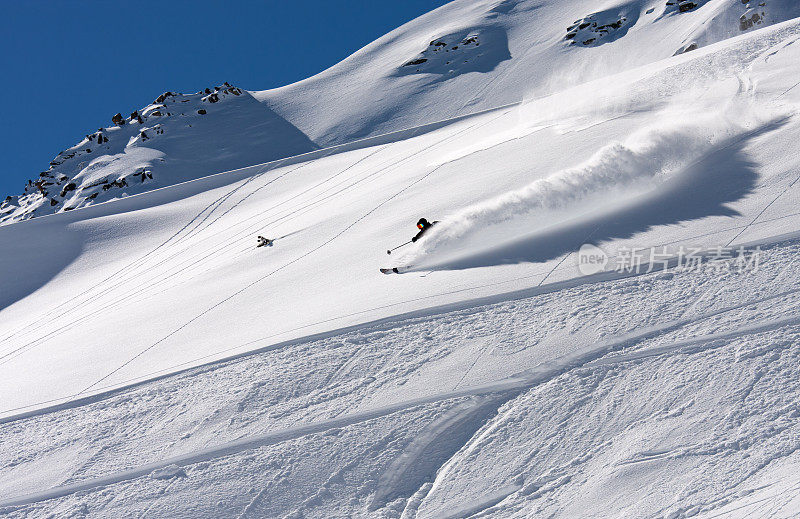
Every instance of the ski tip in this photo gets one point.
(395, 270)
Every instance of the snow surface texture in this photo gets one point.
(155, 362)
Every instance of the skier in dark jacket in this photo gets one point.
(423, 225)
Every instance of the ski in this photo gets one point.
(264, 242)
(395, 270)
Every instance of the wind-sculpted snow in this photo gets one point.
(613, 177)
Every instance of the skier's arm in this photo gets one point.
(420, 233)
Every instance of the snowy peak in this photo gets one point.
(469, 56)
(708, 22)
(176, 138)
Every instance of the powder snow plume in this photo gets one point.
(615, 174)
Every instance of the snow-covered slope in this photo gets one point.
(471, 55)
(156, 363)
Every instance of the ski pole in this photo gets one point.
(406, 243)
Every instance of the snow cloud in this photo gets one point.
(616, 173)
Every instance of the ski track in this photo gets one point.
(597, 356)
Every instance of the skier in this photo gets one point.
(264, 242)
(423, 225)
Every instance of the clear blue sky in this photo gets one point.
(68, 66)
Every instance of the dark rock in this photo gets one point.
(155, 113)
(746, 23)
(686, 7)
(143, 135)
(208, 90)
(202, 112)
(415, 62)
(160, 99)
(93, 196)
(117, 183)
(118, 119)
(143, 175)
(53, 201)
(134, 115)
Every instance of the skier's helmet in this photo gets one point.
(422, 223)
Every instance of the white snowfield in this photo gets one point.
(155, 363)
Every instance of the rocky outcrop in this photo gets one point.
(597, 28)
(469, 50)
(750, 19)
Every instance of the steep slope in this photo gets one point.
(473, 55)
